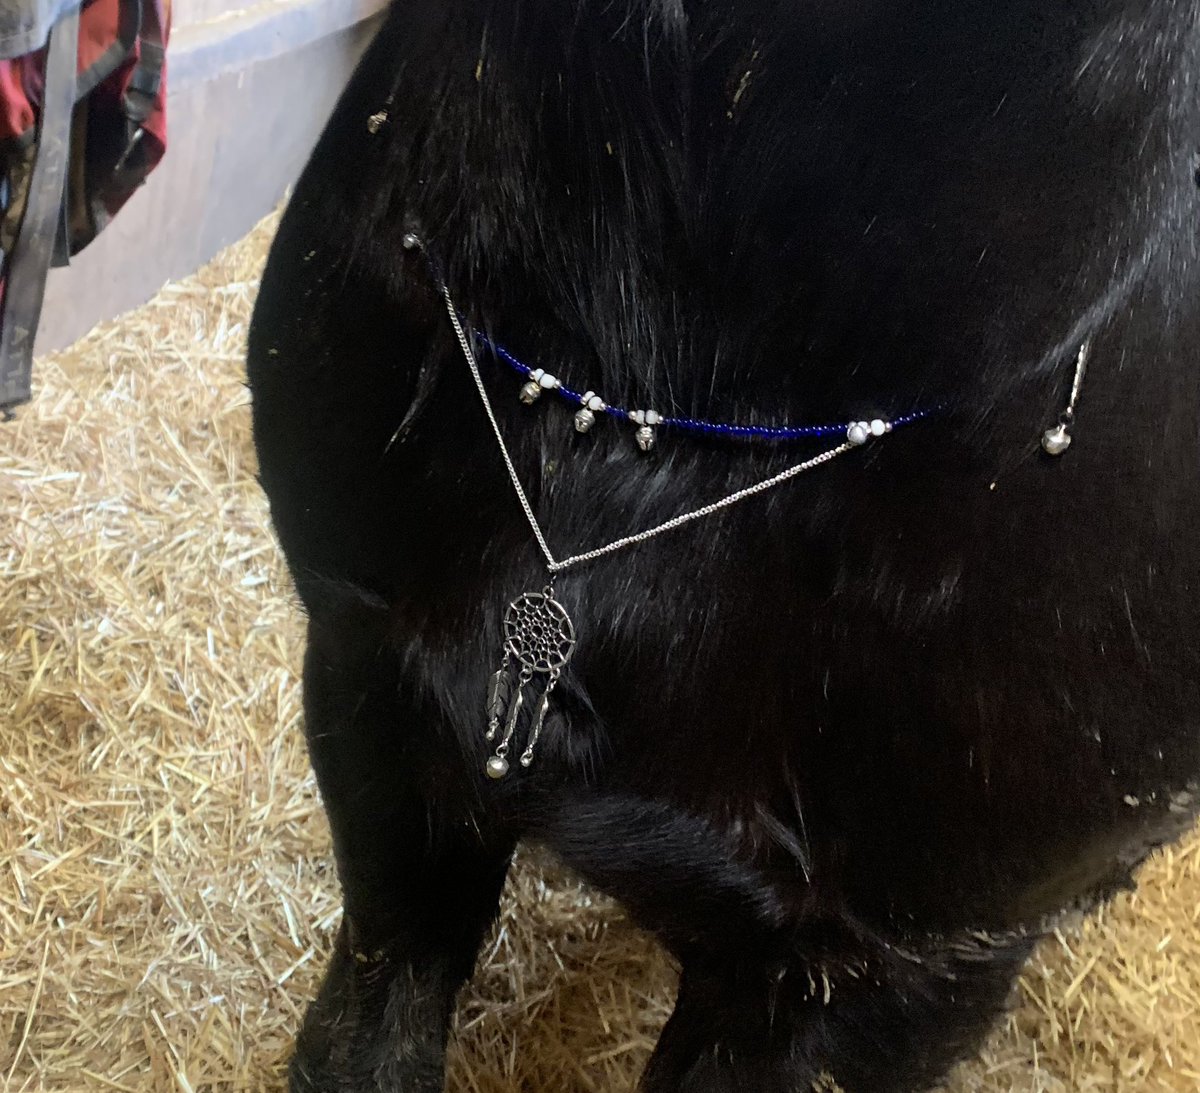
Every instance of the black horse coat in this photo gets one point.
(873, 730)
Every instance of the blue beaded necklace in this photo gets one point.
(590, 404)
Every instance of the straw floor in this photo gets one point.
(166, 897)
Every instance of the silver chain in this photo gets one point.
(1081, 364)
(556, 566)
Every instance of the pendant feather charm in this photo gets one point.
(497, 699)
(540, 638)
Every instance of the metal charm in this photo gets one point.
(645, 420)
(540, 638)
(589, 406)
(1057, 439)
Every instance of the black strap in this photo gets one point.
(142, 89)
(129, 24)
(141, 93)
(29, 262)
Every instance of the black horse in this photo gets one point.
(849, 747)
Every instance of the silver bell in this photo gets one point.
(584, 420)
(531, 392)
(1056, 441)
(497, 766)
(645, 437)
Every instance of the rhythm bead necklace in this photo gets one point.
(590, 404)
(539, 636)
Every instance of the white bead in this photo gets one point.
(595, 403)
(858, 433)
(638, 417)
(878, 427)
(536, 374)
(653, 417)
(547, 380)
(496, 767)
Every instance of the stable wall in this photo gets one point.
(250, 87)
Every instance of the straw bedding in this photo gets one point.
(166, 895)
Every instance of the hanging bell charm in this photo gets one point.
(645, 421)
(539, 380)
(1057, 440)
(589, 406)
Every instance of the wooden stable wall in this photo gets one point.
(251, 84)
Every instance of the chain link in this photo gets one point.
(469, 353)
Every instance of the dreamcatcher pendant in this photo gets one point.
(539, 639)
